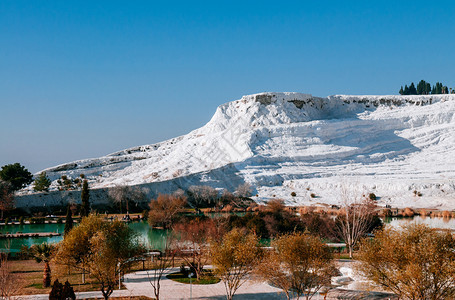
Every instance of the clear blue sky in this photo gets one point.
(81, 79)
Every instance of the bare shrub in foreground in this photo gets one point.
(234, 258)
(9, 281)
(299, 264)
(414, 262)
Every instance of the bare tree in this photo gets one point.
(202, 194)
(9, 281)
(244, 190)
(119, 194)
(355, 219)
(193, 245)
(127, 194)
(226, 198)
(161, 265)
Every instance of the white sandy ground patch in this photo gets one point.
(290, 142)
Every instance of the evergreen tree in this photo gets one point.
(42, 182)
(17, 175)
(406, 90)
(427, 89)
(401, 91)
(437, 89)
(85, 197)
(412, 89)
(421, 87)
(62, 292)
(69, 220)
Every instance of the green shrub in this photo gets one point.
(183, 270)
(60, 291)
(372, 196)
(293, 194)
(207, 278)
(313, 195)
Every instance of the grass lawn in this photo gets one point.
(206, 278)
(30, 278)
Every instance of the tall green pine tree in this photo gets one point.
(437, 89)
(69, 220)
(412, 89)
(406, 90)
(427, 89)
(421, 87)
(42, 182)
(85, 197)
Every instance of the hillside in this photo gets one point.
(290, 142)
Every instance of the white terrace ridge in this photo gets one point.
(291, 142)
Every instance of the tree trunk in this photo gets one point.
(83, 274)
(156, 289)
(46, 275)
(108, 292)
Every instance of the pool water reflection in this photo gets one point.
(146, 235)
(155, 237)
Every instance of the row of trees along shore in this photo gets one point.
(424, 88)
(415, 262)
(298, 260)
(14, 177)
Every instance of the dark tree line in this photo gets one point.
(424, 88)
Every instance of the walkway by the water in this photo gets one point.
(138, 284)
